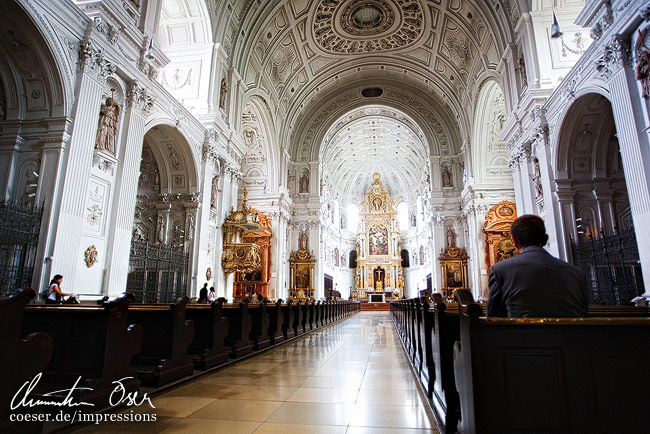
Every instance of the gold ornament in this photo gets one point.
(90, 257)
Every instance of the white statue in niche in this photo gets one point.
(451, 238)
(109, 116)
(446, 177)
(304, 183)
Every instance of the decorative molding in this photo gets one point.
(138, 95)
(615, 55)
(92, 60)
(338, 29)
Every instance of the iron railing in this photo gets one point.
(157, 272)
(19, 230)
(612, 265)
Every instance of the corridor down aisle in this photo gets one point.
(352, 377)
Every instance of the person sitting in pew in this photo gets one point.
(203, 294)
(54, 293)
(212, 296)
(534, 283)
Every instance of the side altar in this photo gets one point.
(379, 264)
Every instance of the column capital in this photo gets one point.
(616, 54)
(138, 96)
(92, 60)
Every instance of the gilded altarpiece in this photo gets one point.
(453, 263)
(247, 250)
(256, 281)
(379, 265)
(498, 244)
(302, 275)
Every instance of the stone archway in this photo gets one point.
(165, 219)
(594, 203)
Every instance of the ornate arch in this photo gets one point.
(489, 154)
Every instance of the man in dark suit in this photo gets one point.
(203, 294)
(534, 283)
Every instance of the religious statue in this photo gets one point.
(304, 183)
(451, 238)
(109, 115)
(302, 240)
(161, 229)
(537, 179)
(522, 71)
(249, 138)
(446, 177)
(642, 69)
(388, 282)
(400, 281)
(413, 222)
(222, 94)
(215, 192)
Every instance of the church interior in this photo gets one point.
(342, 174)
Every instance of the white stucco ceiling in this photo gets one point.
(374, 139)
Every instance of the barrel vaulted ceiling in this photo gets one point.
(374, 139)
(294, 51)
(310, 59)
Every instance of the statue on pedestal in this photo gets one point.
(109, 116)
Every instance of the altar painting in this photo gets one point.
(378, 240)
(302, 276)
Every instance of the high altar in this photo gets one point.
(379, 264)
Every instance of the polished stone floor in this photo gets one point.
(352, 377)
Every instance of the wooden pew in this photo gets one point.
(298, 316)
(552, 375)
(210, 330)
(259, 334)
(240, 324)
(310, 323)
(417, 334)
(618, 311)
(96, 343)
(445, 332)
(305, 316)
(276, 321)
(20, 358)
(167, 336)
(319, 313)
(287, 325)
(427, 371)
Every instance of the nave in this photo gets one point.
(352, 377)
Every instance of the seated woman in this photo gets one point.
(54, 293)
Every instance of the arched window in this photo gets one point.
(406, 260)
(353, 218)
(403, 215)
(353, 259)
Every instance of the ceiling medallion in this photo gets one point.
(353, 26)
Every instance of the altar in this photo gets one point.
(379, 263)
(378, 296)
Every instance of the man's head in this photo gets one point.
(528, 230)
